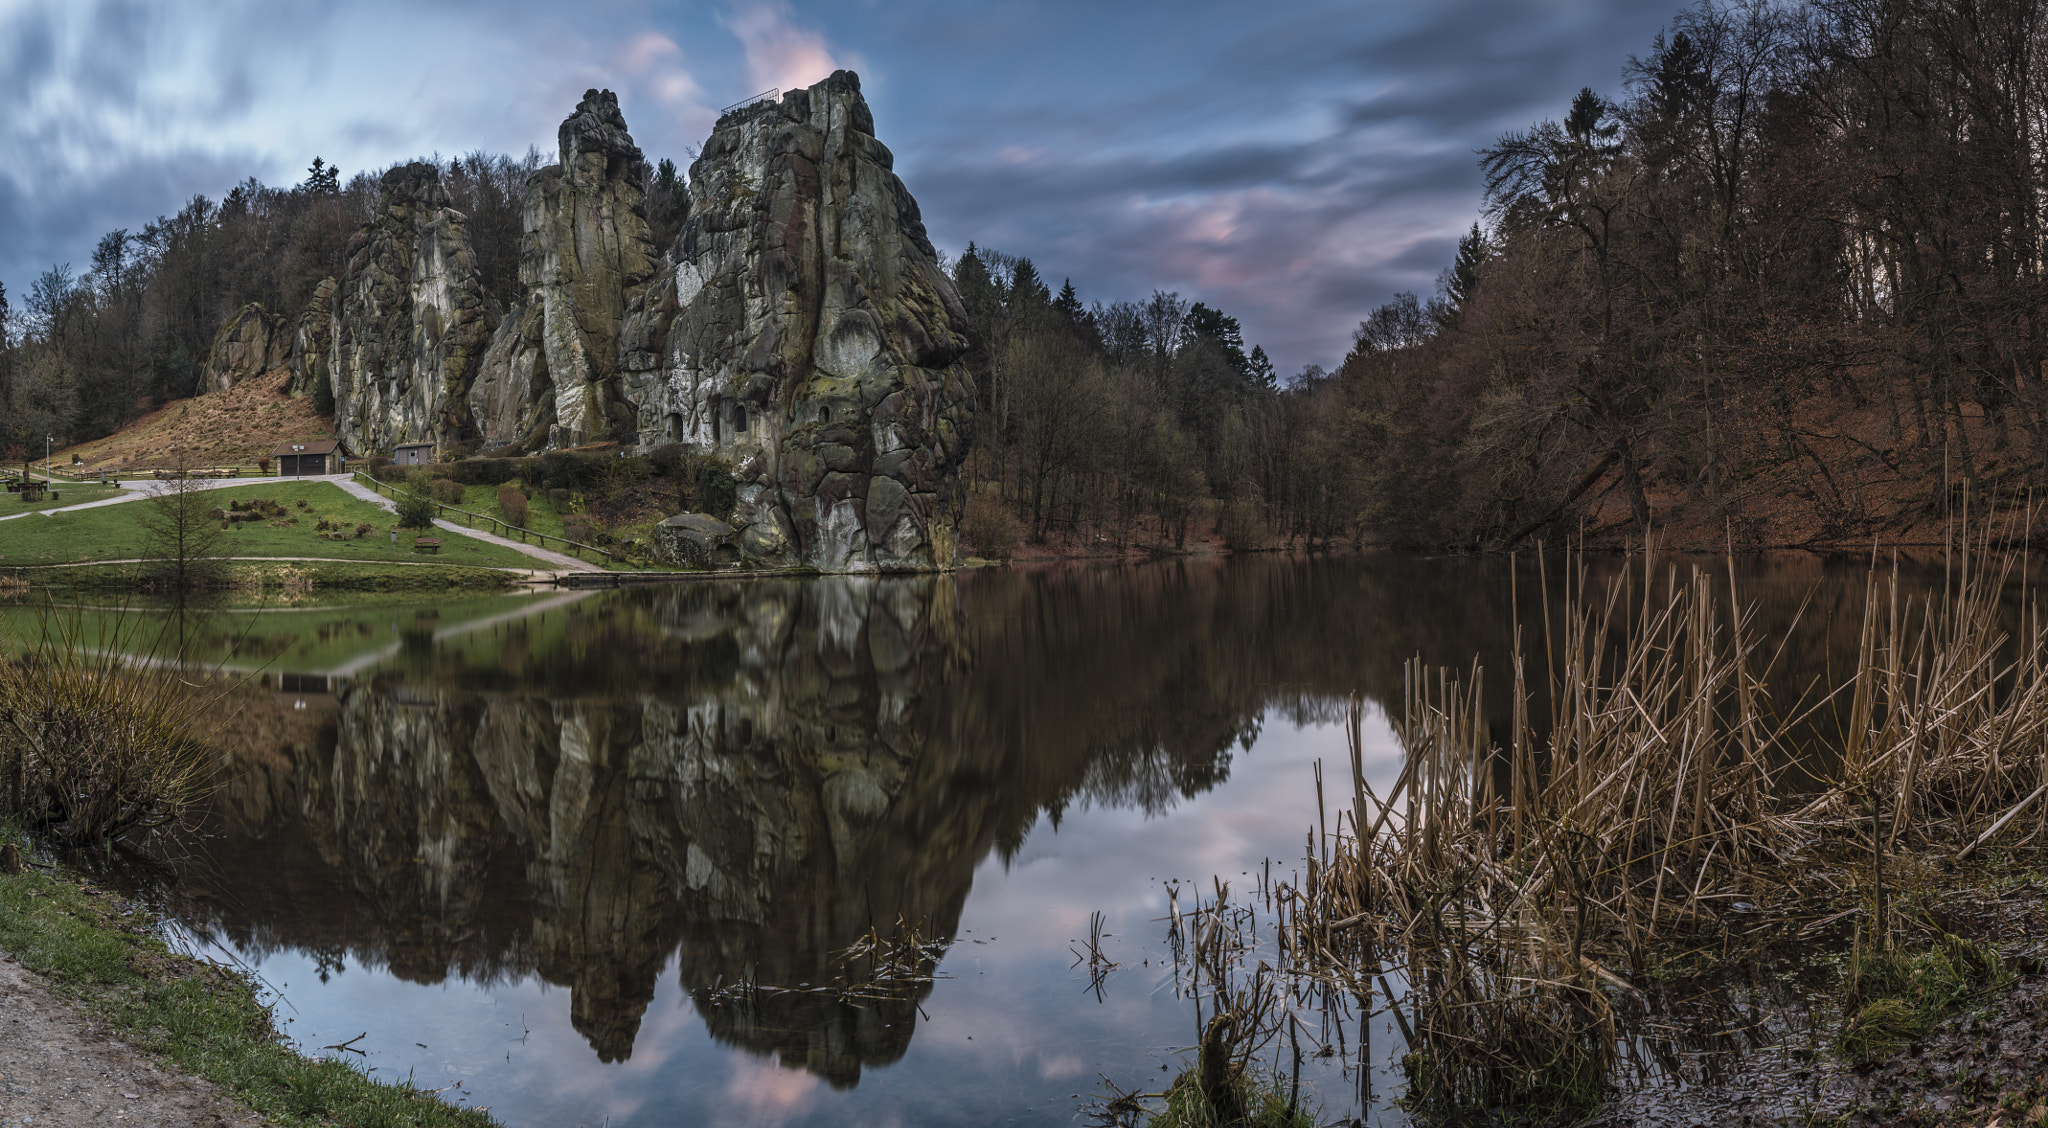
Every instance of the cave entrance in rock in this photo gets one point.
(739, 420)
(675, 426)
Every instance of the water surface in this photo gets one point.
(591, 858)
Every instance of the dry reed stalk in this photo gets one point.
(94, 744)
(1505, 885)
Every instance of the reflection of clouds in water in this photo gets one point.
(1022, 1003)
(765, 1092)
(1116, 859)
(1061, 1067)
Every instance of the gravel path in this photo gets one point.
(59, 1070)
(559, 560)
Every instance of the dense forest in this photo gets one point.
(1785, 284)
(1783, 289)
(82, 354)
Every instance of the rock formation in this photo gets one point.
(799, 328)
(409, 322)
(584, 255)
(805, 331)
(249, 344)
(312, 342)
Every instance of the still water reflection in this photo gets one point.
(539, 848)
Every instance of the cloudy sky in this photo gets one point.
(1293, 162)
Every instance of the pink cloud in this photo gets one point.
(768, 1092)
(657, 68)
(780, 55)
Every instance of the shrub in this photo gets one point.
(485, 471)
(559, 498)
(91, 748)
(364, 529)
(415, 507)
(582, 528)
(716, 492)
(512, 503)
(669, 459)
(566, 470)
(448, 492)
(1243, 529)
(989, 526)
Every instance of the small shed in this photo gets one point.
(307, 456)
(412, 454)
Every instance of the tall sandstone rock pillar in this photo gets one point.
(410, 320)
(585, 253)
(312, 345)
(805, 332)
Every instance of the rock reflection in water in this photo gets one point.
(745, 778)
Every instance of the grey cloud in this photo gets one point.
(28, 44)
(49, 228)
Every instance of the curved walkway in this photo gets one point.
(561, 561)
(137, 490)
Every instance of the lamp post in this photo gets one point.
(46, 456)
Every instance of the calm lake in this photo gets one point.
(600, 858)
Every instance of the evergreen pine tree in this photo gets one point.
(322, 178)
(1026, 289)
(1260, 369)
(1069, 302)
(977, 289)
(1214, 326)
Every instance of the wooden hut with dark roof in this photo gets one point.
(307, 456)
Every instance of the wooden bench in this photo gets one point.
(428, 545)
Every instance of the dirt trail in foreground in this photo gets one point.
(59, 1069)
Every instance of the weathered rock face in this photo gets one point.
(312, 342)
(585, 254)
(806, 332)
(697, 539)
(410, 320)
(249, 344)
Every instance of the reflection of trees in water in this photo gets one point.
(747, 778)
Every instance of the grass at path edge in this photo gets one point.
(96, 948)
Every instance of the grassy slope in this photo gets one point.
(206, 1020)
(541, 517)
(111, 532)
(233, 427)
(67, 494)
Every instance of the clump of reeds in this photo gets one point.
(93, 744)
(1517, 886)
(1238, 1014)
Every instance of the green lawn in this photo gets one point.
(67, 494)
(111, 532)
(541, 517)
